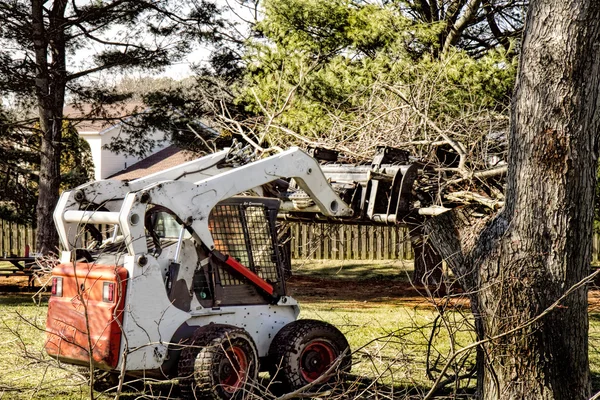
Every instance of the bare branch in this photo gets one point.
(456, 29)
(457, 146)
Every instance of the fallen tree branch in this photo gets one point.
(491, 173)
(457, 146)
(464, 196)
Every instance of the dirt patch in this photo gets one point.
(348, 290)
(594, 300)
(306, 288)
(18, 283)
(366, 293)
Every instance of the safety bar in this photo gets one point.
(91, 217)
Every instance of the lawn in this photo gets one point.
(387, 323)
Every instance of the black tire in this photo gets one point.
(220, 364)
(303, 351)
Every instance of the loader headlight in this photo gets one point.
(57, 286)
(108, 292)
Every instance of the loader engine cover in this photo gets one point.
(86, 311)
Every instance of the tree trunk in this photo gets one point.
(47, 237)
(49, 44)
(518, 264)
(428, 263)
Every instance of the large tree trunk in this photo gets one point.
(518, 264)
(47, 237)
(50, 92)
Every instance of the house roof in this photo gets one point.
(90, 119)
(166, 158)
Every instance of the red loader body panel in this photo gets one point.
(101, 290)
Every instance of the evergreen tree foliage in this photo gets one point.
(20, 163)
(355, 75)
(187, 111)
(327, 66)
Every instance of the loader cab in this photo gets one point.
(243, 229)
(167, 226)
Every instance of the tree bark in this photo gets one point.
(428, 263)
(49, 45)
(517, 264)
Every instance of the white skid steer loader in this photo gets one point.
(191, 282)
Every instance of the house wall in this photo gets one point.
(112, 162)
(107, 163)
(95, 142)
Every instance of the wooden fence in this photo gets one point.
(347, 242)
(14, 238)
(317, 241)
(350, 242)
(596, 248)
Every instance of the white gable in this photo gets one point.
(107, 163)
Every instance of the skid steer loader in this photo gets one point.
(191, 282)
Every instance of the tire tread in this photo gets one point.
(285, 346)
(195, 372)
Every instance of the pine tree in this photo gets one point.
(59, 49)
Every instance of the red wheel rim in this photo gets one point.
(233, 369)
(315, 359)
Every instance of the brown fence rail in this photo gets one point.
(350, 242)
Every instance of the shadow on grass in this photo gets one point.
(356, 270)
(359, 272)
(149, 390)
(595, 381)
(594, 317)
(16, 299)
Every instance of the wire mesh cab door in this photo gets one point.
(244, 228)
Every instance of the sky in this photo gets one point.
(233, 10)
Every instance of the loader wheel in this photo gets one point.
(220, 364)
(304, 350)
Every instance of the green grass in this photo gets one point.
(27, 372)
(594, 352)
(389, 340)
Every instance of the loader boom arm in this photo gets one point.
(193, 202)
